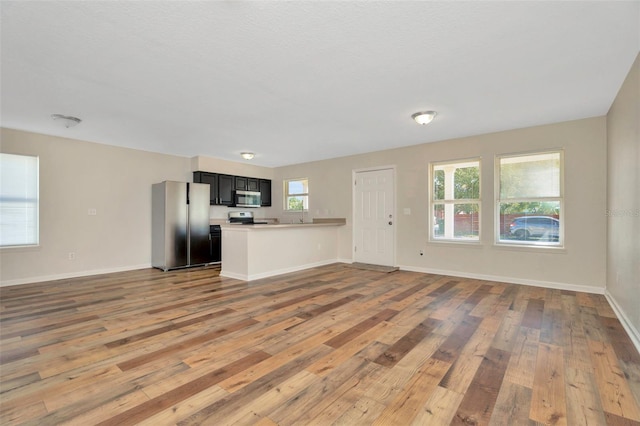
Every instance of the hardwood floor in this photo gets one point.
(330, 345)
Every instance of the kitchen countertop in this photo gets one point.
(273, 222)
(278, 226)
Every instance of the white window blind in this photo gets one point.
(530, 199)
(18, 200)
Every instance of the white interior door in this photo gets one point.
(374, 221)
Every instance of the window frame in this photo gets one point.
(287, 195)
(433, 202)
(35, 201)
(530, 244)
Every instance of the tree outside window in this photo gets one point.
(296, 194)
(456, 201)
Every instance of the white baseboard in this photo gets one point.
(510, 280)
(633, 333)
(77, 274)
(252, 277)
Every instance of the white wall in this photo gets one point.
(623, 203)
(581, 265)
(74, 177)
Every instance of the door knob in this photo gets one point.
(390, 223)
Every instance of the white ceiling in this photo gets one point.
(307, 80)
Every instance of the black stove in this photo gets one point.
(242, 218)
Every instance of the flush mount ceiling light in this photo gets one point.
(247, 155)
(424, 117)
(66, 120)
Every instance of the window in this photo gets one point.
(455, 203)
(18, 200)
(296, 194)
(530, 199)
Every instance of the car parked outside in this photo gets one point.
(538, 227)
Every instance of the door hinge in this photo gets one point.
(355, 248)
(355, 182)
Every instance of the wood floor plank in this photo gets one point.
(266, 402)
(512, 406)
(439, 408)
(522, 364)
(548, 402)
(615, 393)
(533, 315)
(379, 393)
(326, 345)
(404, 408)
(583, 398)
(136, 362)
(507, 333)
(358, 329)
(480, 398)
(155, 405)
(323, 393)
(235, 401)
(326, 364)
(620, 341)
(244, 378)
(575, 346)
(396, 352)
(450, 350)
(465, 366)
(183, 409)
(23, 413)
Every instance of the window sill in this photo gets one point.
(26, 248)
(531, 248)
(457, 243)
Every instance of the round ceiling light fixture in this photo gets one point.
(247, 155)
(66, 120)
(424, 117)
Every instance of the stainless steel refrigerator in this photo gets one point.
(180, 225)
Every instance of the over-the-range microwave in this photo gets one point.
(247, 199)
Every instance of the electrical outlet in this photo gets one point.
(72, 255)
(93, 212)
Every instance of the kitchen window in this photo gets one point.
(530, 199)
(18, 200)
(296, 194)
(455, 201)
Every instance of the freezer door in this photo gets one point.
(177, 225)
(199, 247)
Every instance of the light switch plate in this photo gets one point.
(407, 211)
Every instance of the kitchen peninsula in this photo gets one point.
(251, 252)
